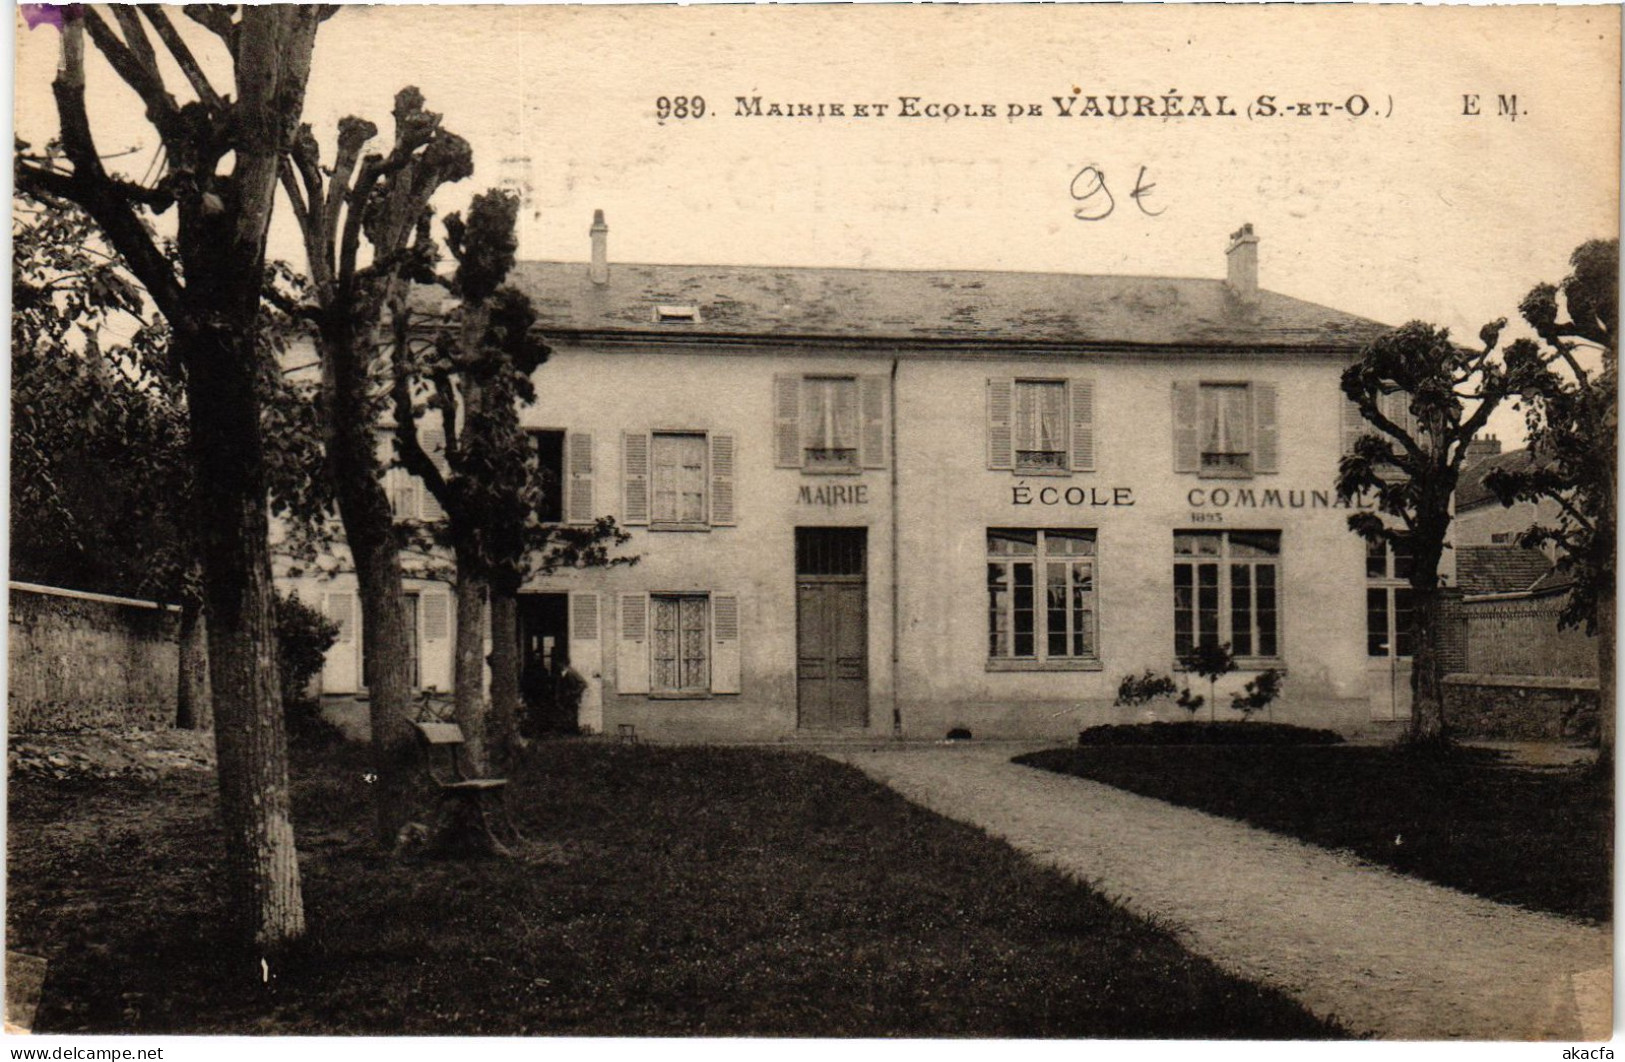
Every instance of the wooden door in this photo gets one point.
(832, 673)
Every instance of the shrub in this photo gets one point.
(1136, 690)
(1228, 733)
(303, 637)
(1259, 693)
(959, 733)
(1211, 661)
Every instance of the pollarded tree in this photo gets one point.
(381, 198)
(1409, 466)
(1570, 403)
(221, 155)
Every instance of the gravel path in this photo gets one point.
(1388, 956)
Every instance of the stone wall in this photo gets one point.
(1521, 707)
(80, 660)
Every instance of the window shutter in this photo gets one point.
(632, 649)
(722, 480)
(1397, 408)
(341, 610)
(587, 658)
(635, 477)
(1354, 425)
(1266, 429)
(433, 441)
(872, 406)
(434, 654)
(578, 503)
(1001, 452)
(787, 421)
(1187, 447)
(1082, 395)
(725, 643)
(436, 621)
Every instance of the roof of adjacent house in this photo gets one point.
(1501, 569)
(863, 304)
(1470, 489)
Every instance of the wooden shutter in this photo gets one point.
(635, 477)
(434, 641)
(578, 502)
(587, 658)
(340, 609)
(1397, 408)
(787, 421)
(722, 480)
(1187, 445)
(1001, 452)
(872, 409)
(1354, 424)
(433, 441)
(1082, 395)
(1266, 429)
(632, 647)
(725, 643)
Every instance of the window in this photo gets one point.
(829, 423)
(680, 658)
(1389, 613)
(1040, 426)
(1225, 430)
(677, 492)
(550, 458)
(1226, 590)
(676, 480)
(1041, 596)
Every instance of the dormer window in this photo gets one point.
(677, 314)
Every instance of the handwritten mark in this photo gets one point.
(1096, 198)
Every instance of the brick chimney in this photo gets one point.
(1243, 264)
(599, 270)
(1483, 447)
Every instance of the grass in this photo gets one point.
(1541, 839)
(664, 891)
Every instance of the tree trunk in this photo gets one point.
(469, 702)
(1606, 708)
(504, 719)
(369, 531)
(262, 865)
(192, 709)
(1427, 678)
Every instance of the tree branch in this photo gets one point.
(216, 18)
(135, 63)
(183, 57)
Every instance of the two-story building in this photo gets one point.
(886, 501)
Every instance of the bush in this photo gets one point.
(550, 702)
(303, 636)
(1259, 693)
(1227, 733)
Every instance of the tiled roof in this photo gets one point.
(743, 301)
(1499, 569)
(1470, 489)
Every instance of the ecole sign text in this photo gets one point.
(1026, 494)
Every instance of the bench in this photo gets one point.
(456, 787)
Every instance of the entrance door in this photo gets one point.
(832, 629)
(544, 652)
(1388, 651)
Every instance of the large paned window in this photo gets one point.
(1227, 590)
(680, 660)
(829, 423)
(678, 488)
(1041, 596)
(1390, 628)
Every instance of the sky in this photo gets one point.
(1413, 209)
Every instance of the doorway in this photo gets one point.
(544, 653)
(832, 628)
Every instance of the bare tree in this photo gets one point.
(222, 156)
(382, 198)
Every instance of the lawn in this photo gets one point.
(664, 891)
(1539, 838)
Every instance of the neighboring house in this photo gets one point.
(885, 501)
(1481, 520)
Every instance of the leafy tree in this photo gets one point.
(1211, 660)
(473, 380)
(1572, 415)
(1259, 693)
(383, 199)
(1410, 465)
(222, 155)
